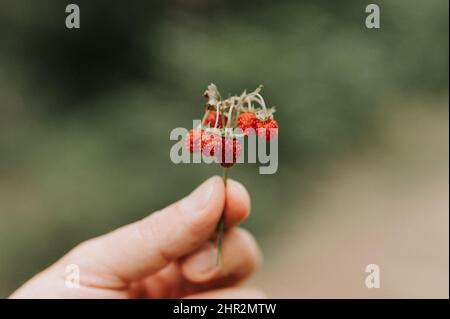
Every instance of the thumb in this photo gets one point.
(144, 247)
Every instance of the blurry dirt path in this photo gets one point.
(388, 206)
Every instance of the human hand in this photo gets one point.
(169, 254)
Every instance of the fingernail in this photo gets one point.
(196, 201)
(204, 261)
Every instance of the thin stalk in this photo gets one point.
(223, 119)
(221, 223)
(217, 116)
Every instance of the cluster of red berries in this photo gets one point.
(214, 139)
(264, 124)
(225, 149)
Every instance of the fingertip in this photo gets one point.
(205, 204)
(218, 185)
(237, 203)
(200, 266)
(253, 249)
(218, 199)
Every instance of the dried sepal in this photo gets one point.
(212, 95)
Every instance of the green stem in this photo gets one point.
(223, 119)
(221, 224)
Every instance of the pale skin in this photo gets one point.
(168, 254)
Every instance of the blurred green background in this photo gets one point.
(85, 115)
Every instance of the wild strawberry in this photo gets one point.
(211, 143)
(247, 121)
(264, 129)
(230, 152)
(194, 140)
(211, 120)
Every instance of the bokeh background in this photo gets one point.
(85, 117)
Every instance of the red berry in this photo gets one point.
(264, 129)
(211, 120)
(231, 150)
(211, 143)
(194, 140)
(247, 121)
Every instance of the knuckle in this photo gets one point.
(195, 227)
(150, 233)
